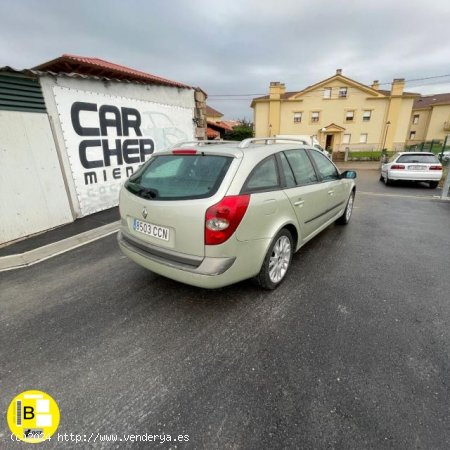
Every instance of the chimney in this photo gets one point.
(276, 90)
(375, 85)
(397, 86)
(338, 71)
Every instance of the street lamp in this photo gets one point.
(385, 134)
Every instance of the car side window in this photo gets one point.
(263, 177)
(287, 171)
(326, 168)
(301, 166)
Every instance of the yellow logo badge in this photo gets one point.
(33, 416)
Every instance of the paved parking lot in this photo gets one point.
(352, 351)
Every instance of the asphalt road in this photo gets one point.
(351, 352)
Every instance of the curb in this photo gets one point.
(40, 254)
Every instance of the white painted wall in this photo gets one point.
(33, 196)
(60, 92)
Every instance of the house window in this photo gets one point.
(297, 117)
(412, 135)
(342, 92)
(415, 119)
(346, 138)
(363, 138)
(367, 115)
(315, 116)
(349, 115)
(327, 93)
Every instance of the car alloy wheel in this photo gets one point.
(345, 218)
(280, 259)
(349, 209)
(277, 261)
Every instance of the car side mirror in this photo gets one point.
(348, 174)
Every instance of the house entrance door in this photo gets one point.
(329, 142)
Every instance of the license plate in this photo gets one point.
(417, 167)
(152, 230)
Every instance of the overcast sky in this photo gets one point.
(238, 47)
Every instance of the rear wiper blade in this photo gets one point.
(148, 193)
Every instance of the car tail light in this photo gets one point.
(397, 167)
(222, 219)
(184, 151)
(435, 168)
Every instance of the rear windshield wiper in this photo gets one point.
(148, 193)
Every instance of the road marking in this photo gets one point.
(26, 259)
(420, 197)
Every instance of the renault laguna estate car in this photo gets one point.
(408, 166)
(213, 215)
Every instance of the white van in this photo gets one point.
(309, 140)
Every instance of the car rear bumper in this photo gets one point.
(411, 175)
(211, 272)
(151, 258)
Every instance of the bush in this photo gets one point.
(240, 132)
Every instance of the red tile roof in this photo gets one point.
(221, 125)
(101, 68)
(212, 134)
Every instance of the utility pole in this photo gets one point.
(385, 134)
(446, 187)
(443, 147)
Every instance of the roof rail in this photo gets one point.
(269, 140)
(201, 143)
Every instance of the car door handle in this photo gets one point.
(331, 192)
(299, 202)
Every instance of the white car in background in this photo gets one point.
(444, 156)
(409, 166)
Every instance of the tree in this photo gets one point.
(240, 132)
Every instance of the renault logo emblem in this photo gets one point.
(144, 213)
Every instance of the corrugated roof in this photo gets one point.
(104, 69)
(431, 100)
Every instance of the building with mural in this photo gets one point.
(74, 128)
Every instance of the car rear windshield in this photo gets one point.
(176, 177)
(427, 159)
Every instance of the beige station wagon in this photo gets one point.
(210, 215)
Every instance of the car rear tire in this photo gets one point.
(434, 184)
(277, 261)
(346, 216)
(381, 178)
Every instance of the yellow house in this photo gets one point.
(430, 119)
(340, 112)
(212, 115)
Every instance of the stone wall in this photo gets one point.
(200, 114)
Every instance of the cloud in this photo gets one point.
(235, 47)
